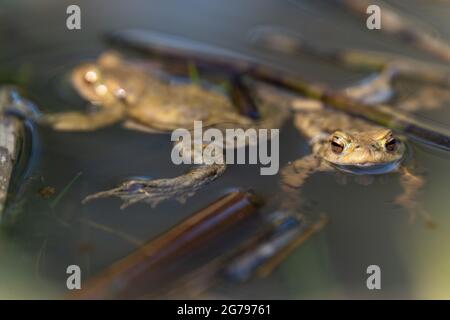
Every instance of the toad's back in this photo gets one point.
(321, 122)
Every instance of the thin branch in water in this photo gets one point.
(122, 235)
(40, 257)
(63, 192)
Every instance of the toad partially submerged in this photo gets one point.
(149, 101)
(143, 96)
(351, 147)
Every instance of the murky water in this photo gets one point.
(44, 237)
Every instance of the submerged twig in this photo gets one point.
(127, 277)
(257, 256)
(128, 238)
(60, 195)
(297, 239)
(268, 254)
(210, 274)
(40, 257)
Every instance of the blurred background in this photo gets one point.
(38, 51)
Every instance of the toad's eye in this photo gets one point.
(121, 94)
(337, 146)
(91, 76)
(391, 144)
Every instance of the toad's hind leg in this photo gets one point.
(79, 121)
(408, 199)
(156, 191)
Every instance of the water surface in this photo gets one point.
(365, 226)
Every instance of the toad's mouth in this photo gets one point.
(368, 167)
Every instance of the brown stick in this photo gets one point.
(126, 278)
(209, 275)
(258, 256)
(270, 265)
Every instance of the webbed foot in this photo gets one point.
(155, 191)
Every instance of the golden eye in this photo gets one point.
(336, 145)
(391, 144)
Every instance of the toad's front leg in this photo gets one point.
(412, 185)
(155, 191)
(80, 121)
(293, 177)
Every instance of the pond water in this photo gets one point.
(365, 228)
